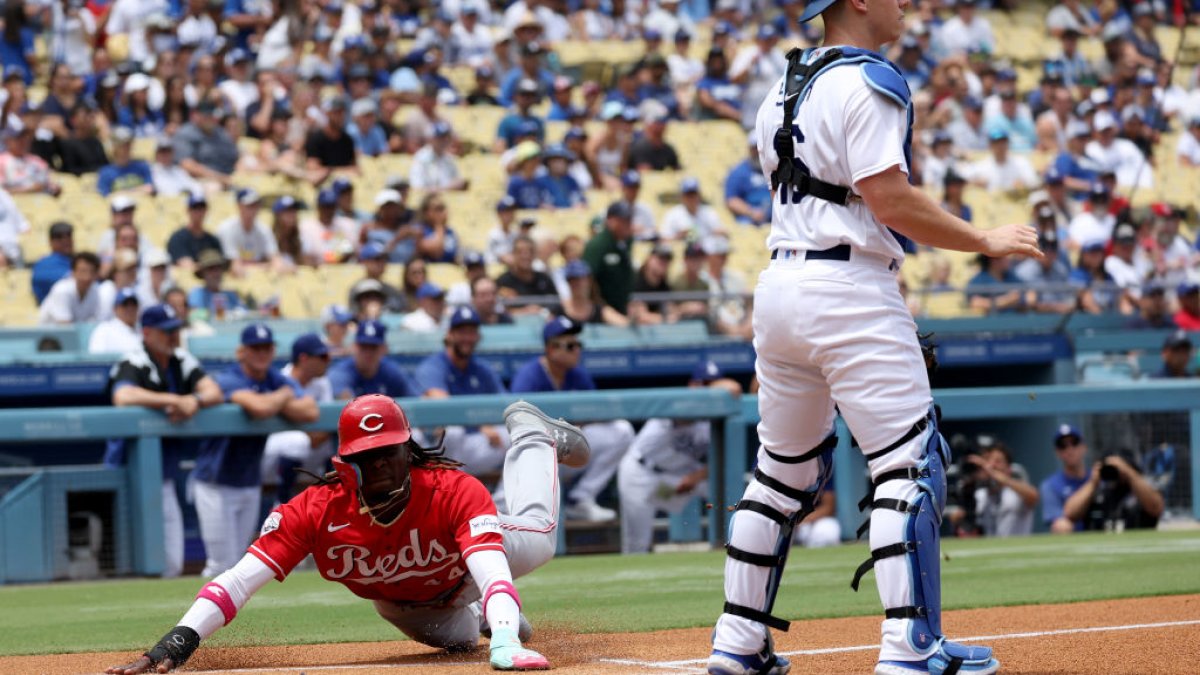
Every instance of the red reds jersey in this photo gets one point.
(419, 558)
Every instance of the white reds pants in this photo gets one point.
(828, 333)
(478, 456)
(644, 491)
(172, 531)
(229, 519)
(609, 441)
(529, 521)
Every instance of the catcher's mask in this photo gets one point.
(368, 422)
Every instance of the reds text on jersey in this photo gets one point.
(420, 558)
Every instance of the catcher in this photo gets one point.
(402, 527)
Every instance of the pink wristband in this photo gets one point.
(500, 587)
(219, 597)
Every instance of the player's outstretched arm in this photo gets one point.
(216, 605)
(502, 612)
(912, 213)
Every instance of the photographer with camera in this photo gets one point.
(1004, 498)
(1116, 497)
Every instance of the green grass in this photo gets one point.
(613, 593)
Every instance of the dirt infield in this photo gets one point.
(1139, 636)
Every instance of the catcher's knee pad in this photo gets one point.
(765, 519)
(916, 536)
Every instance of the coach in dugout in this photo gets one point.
(367, 370)
(228, 474)
(161, 376)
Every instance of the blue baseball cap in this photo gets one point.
(998, 135)
(336, 314)
(506, 203)
(257, 334)
(814, 8)
(247, 196)
(707, 371)
(574, 133)
(724, 27)
(124, 295)
(441, 129)
(1054, 176)
(161, 317)
(1093, 245)
(340, 185)
(1187, 288)
(310, 344)
(1067, 431)
(284, 203)
(429, 290)
(767, 31)
(558, 151)
(196, 200)
(464, 316)
(472, 259)
(371, 251)
(576, 269)
(689, 185)
(560, 325)
(651, 34)
(631, 178)
(327, 197)
(370, 332)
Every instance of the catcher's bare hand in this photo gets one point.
(142, 665)
(1014, 238)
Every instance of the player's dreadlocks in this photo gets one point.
(418, 455)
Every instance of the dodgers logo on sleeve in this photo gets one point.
(484, 524)
(271, 523)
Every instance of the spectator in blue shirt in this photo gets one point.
(953, 185)
(228, 475)
(243, 15)
(529, 190)
(626, 91)
(56, 264)
(456, 371)
(1058, 487)
(561, 108)
(125, 174)
(210, 269)
(564, 190)
(522, 122)
(369, 138)
(747, 194)
(16, 42)
(716, 96)
(990, 290)
(559, 369)
(529, 67)
(914, 69)
(366, 371)
(659, 87)
(1078, 171)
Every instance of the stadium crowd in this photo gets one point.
(310, 91)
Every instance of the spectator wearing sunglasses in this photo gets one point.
(559, 369)
(1058, 488)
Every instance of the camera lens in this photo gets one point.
(1109, 474)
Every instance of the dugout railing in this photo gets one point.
(28, 544)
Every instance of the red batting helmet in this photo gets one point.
(370, 422)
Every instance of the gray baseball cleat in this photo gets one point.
(569, 442)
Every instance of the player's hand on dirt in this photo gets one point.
(1008, 239)
(142, 665)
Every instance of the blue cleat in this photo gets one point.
(951, 658)
(763, 663)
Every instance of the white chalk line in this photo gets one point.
(687, 664)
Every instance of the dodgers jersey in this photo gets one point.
(846, 132)
(420, 558)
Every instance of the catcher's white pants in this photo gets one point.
(529, 521)
(608, 441)
(229, 519)
(643, 492)
(172, 530)
(478, 456)
(827, 333)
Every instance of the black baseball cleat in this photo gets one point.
(569, 442)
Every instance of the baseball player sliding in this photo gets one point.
(404, 528)
(830, 329)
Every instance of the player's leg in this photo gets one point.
(472, 449)
(879, 382)
(452, 628)
(609, 441)
(215, 521)
(172, 530)
(796, 423)
(636, 485)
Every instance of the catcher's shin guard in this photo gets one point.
(764, 519)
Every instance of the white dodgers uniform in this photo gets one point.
(832, 331)
(662, 453)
